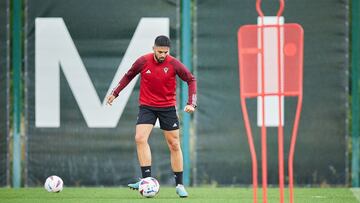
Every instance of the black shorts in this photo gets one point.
(167, 117)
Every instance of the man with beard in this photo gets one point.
(157, 100)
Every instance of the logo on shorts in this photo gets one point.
(148, 72)
(166, 69)
(175, 125)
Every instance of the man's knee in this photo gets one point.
(174, 145)
(140, 138)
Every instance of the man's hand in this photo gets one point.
(110, 99)
(189, 109)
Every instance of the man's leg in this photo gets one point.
(143, 150)
(173, 140)
(142, 146)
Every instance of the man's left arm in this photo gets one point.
(186, 76)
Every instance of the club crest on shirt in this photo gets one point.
(166, 69)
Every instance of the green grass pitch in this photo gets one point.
(167, 195)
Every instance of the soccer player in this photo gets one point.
(157, 100)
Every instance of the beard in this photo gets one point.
(160, 60)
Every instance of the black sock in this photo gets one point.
(178, 177)
(146, 171)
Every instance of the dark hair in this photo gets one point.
(162, 41)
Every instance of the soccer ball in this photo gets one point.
(149, 187)
(54, 184)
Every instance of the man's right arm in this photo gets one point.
(133, 71)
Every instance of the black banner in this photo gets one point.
(102, 32)
(4, 90)
(223, 155)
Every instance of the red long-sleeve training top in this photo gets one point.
(158, 81)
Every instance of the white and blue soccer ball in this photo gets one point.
(54, 184)
(149, 187)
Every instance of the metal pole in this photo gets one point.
(186, 59)
(355, 92)
(16, 65)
